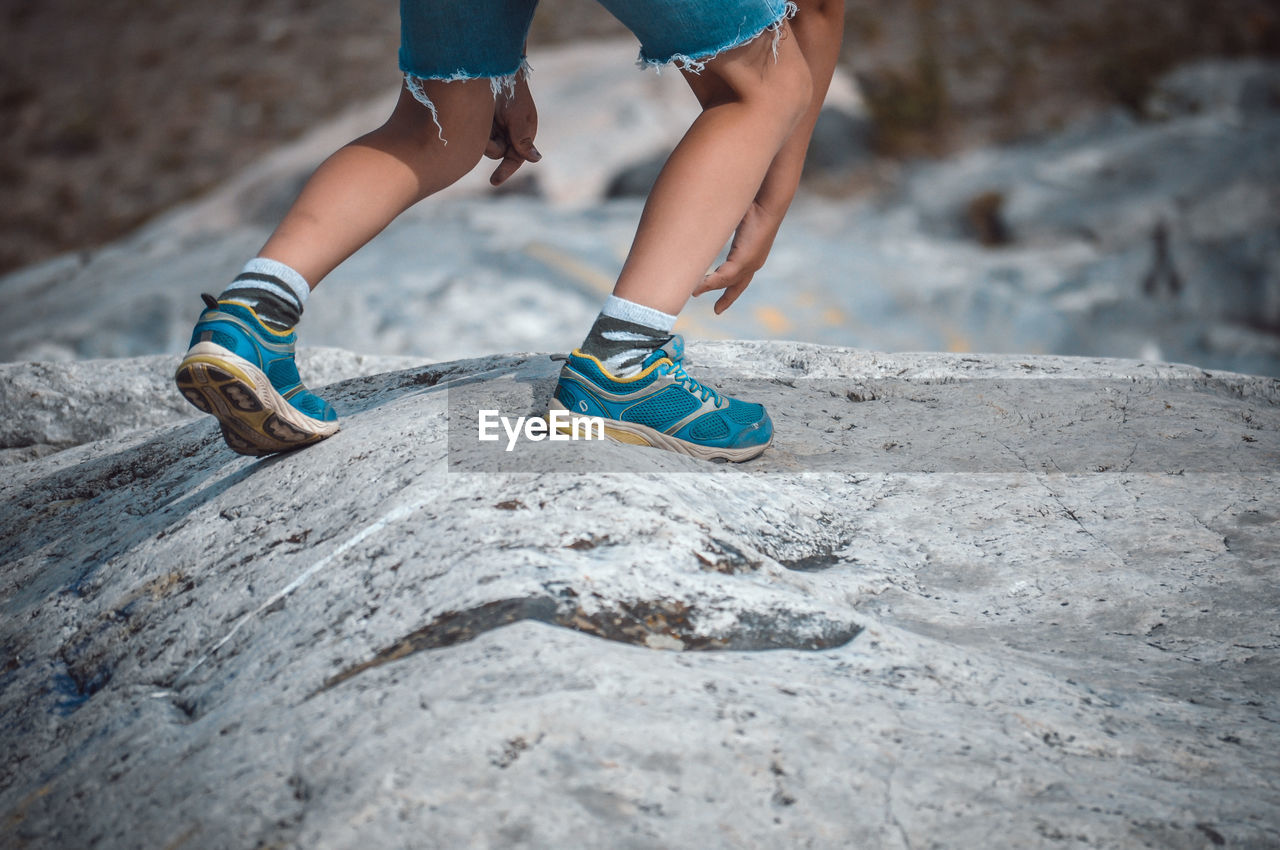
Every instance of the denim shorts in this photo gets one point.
(468, 39)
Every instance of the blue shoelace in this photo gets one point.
(676, 370)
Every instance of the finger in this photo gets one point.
(496, 147)
(527, 151)
(712, 282)
(731, 295)
(521, 129)
(724, 276)
(506, 168)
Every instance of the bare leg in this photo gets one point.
(357, 192)
(246, 377)
(750, 105)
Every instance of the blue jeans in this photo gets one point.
(468, 39)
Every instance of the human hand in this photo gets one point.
(515, 123)
(750, 248)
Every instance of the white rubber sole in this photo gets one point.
(634, 434)
(256, 420)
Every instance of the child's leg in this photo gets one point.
(629, 371)
(240, 363)
(357, 192)
(752, 96)
(750, 104)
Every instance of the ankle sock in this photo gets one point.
(625, 333)
(276, 292)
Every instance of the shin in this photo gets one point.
(357, 191)
(751, 97)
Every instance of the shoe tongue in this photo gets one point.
(673, 349)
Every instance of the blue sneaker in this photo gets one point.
(242, 371)
(662, 407)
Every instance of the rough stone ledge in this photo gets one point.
(381, 639)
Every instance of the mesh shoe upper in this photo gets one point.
(238, 329)
(665, 398)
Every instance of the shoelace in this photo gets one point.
(676, 370)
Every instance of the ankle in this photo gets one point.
(273, 290)
(624, 334)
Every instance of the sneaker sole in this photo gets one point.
(256, 420)
(633, 434)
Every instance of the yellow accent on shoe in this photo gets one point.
(626, 437)
(259, 319)
(255, 419)
(578, 352)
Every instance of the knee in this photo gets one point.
(780, 84)
(440, 134)
(793, 88)
(790, 82)
(436, 135)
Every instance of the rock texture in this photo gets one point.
(50, 406)
(963, 601)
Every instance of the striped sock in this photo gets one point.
(625, 333)
(276, 292)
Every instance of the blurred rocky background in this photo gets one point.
(991, 176)
(114, 110)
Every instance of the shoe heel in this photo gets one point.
(255, 420)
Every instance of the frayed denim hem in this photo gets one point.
(503, 85)
(696, 64)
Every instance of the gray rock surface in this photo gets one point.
(50, 406)
(964, 601)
